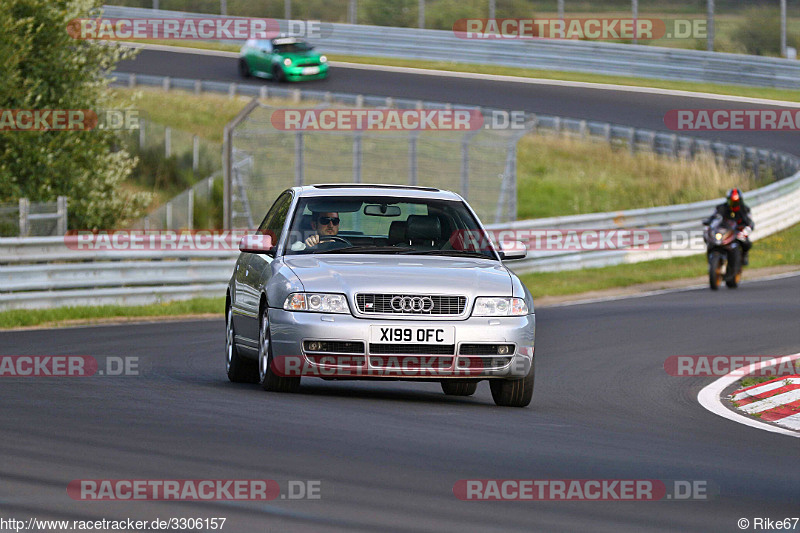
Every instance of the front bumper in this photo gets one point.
(294, 73)
(289, 331)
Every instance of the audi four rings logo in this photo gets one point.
(412, 303)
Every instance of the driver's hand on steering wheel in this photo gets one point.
(313, 240)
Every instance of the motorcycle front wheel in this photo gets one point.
(714, 270)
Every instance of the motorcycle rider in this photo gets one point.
(735, 209)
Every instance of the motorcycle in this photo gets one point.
(724, 251)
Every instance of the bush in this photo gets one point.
(760, 32)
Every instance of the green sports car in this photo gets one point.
(283, 59)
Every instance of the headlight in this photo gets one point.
(323, 59)
(316, 302)
(287, 61)
(500, 307)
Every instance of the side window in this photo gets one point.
(276, 217)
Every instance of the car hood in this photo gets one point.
(351, 274)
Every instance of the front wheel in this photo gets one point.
(513, 392)
(714, 270)
(267, 378)
(278, 74)
(733, 274)
(244, 69)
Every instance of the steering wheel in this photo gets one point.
(334, 238)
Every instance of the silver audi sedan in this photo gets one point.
(379, 282)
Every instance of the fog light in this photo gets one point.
(502, 349)
(314, 346)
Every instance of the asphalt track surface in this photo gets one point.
(388, 454)
(642, 110)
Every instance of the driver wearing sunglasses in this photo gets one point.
(325, 224)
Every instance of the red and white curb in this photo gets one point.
(777, 401)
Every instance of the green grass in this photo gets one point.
(65, 315)
(780, 249)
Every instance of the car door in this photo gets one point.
(258, 271)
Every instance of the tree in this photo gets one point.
(43, 67)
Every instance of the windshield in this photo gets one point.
(292, 48)
(381, 225)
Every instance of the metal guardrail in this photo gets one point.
(564, 55)
(182, 275)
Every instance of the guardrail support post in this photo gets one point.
(61, 211)
(131, 81)
(296, 96)
(195, 153)
(262, 92)
(232, 90)
(632, 140)
(198, 86)
(166, 83)
(359, 101)
(24, 211)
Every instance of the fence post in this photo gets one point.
(190, 208)
(169, 215)
(142, 125)
(61, 225)
(465, 140)
(195, 152)
(299, 171)
(167, 141)
(24, 211)
(413, 136)
(357, 157)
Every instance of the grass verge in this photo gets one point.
(66, 316)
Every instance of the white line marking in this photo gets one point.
(763, 388)
(772, 402)
(790, 421)
(709, 397)
(497, 77)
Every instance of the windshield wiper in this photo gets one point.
(449, 253)
(366, 249)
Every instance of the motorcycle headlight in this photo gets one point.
(287, 61)
(316, 302)
(492, 306)
(718, 236)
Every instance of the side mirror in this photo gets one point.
(513, 250)
(257, 244)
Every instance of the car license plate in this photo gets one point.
(415, 334)
(307, 71)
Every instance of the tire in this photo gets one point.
(268, 380)
(733, 274)
(244, 68)
(513, 392)
(714, 270)
(278, 75)
(239, 369)
(459, 388)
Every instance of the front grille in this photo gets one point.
(336, 359)
(474, 363)
(334, 347)
(412, 363)
(484, 349)
(412, 349)
(382, 304)
(308, 64)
